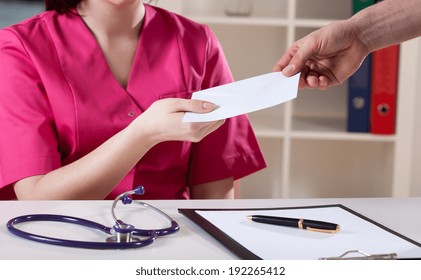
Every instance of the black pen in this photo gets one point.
(311, 225)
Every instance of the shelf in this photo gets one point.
(312, 128)
(340, 169)
(255, 21)
(342, 136)
(311, 23)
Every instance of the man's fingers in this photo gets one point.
(284, 60)
(298, 61)
(312, 79)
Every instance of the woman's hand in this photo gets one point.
(162, 121)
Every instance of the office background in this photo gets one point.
(309, 151)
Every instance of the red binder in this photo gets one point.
(384, 88)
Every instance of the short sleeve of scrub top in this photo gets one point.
(28, 144)
(60, 101)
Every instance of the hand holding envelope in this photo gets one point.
(246, 96)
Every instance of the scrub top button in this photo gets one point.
(131, 114)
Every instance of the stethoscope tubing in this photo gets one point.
(76, 243)
(122, 235)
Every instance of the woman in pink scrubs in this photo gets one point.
(92, 96)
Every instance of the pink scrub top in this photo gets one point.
(60, 100)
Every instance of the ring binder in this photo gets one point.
(363, 256)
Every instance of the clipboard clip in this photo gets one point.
(360, 255)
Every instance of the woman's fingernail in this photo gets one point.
(208, 106)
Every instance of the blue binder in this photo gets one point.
(359, 88)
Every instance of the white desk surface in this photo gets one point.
(190, 243)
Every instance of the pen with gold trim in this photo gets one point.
(311, 225)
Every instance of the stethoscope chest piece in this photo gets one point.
(123, 233)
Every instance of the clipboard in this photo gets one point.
(359, 237)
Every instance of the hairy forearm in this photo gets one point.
(388, 22)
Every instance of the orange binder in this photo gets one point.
(384, 86)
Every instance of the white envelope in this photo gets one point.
(246, 96)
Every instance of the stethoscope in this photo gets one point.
(123, 236)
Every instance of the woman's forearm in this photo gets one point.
(91, 177)
(388, 22)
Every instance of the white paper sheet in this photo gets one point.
(277, 242)
(246, 96)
